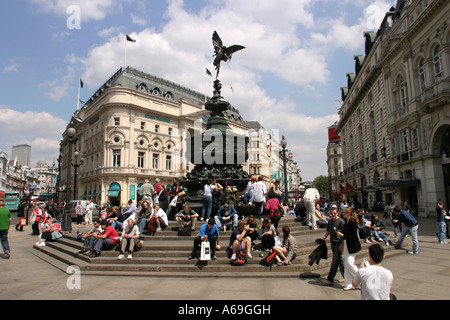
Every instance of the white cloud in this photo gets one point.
(40, 129)
(283, 41)
(11, 66)
(59, 88)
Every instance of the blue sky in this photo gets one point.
(288, 77)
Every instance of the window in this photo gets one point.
(373, 132)
(422, 74)
(170, 131)
(116, 158)
(437, 61)
(156, 128)
(142, 125)
(117, 121)
(405, 141)
(141, 159)
(169, 163)
(403, 93)
(155, 162)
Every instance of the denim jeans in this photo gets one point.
(207, 207)
(413, 232)
(442, 227)
(379, 235)
(259, 209)
(250, 196)
(4, 240)
(142, 223)
(336, 263)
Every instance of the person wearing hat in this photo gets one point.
(249, 190)
(259, 196)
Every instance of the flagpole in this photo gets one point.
(125, 66)
(78, 98)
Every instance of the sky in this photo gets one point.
(288, 77)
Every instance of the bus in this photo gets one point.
(12, 200)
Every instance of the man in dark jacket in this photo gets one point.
(411, 226)
(335, 224)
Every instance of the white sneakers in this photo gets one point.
(120, 257)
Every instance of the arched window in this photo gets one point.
(437, 62)
(401, 94)
(422, 74)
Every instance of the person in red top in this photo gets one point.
(104, 240)
(275, 210)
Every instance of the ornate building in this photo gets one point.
(395, 117)
(134, 128)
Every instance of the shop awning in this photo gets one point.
(114, 190)
(399, 183)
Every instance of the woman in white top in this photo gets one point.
(207, 199)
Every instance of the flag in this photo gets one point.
(81, 101)
(129, 39)
(208, 72)
(81, 83)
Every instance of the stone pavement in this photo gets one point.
(425, 276)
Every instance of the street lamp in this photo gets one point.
(67, 217)
(283, 143)
(76, 165)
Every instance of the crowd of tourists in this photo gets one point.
(343, 224)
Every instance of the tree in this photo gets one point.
(322, 184)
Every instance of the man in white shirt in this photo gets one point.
(375, 280)
(160, 217)
(310, 197)
(259, 196)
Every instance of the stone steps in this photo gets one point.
(166, 254)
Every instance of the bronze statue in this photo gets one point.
(221, 52)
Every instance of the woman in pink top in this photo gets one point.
(275, 210)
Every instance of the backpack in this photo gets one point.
(241, 259)
(269, 260)
(184, 232)
(152, 225)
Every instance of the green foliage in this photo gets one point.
(322, 184)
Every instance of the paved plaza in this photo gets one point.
(425, 276)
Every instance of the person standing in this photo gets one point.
(20, 214)
(207, 201)
(147, 192)
(310, 197)
(88, 215)
(336, 224)
(350, 246)
(440, 219)
(375, 280)
(80, 212)
(5, 222)
(411, 226)
(259, 196)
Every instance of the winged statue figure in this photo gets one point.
(221, 52)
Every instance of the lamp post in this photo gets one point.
(283, 143)
(76, 165)
(67, 217)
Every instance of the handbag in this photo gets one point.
(56, 235)
(205, 252)
(23, 222)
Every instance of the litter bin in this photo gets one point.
(67, 221)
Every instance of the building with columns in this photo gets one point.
(132, 129)
(395, 117)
